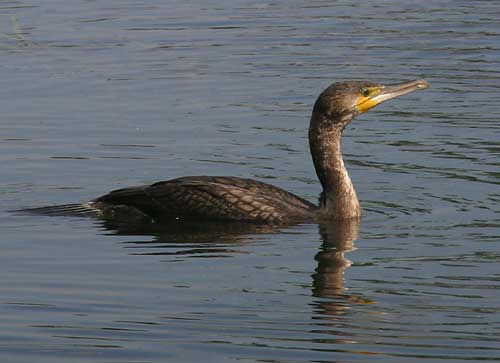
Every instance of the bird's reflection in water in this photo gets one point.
(189, 238)
(328, 280)
(194, 239)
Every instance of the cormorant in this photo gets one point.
(237, 199)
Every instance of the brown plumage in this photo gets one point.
(207, 197)
(238, 199)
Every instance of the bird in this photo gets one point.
(235, 199)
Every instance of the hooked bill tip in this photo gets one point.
(422, 84)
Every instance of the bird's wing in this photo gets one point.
(211, 197)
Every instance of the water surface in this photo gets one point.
(101, 95)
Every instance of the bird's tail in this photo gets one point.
(76, 210)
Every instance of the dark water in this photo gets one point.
(100, 95)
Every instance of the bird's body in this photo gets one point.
(210, 197)
(245, 200)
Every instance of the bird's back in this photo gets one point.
(207, 197)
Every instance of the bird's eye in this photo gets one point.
(365, 92)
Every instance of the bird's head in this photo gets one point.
(342, 101)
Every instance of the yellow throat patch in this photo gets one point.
(366, 100)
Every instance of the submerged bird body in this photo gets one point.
(238, 199)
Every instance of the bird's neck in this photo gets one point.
(338, 199)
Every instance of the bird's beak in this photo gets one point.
(384, 93)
